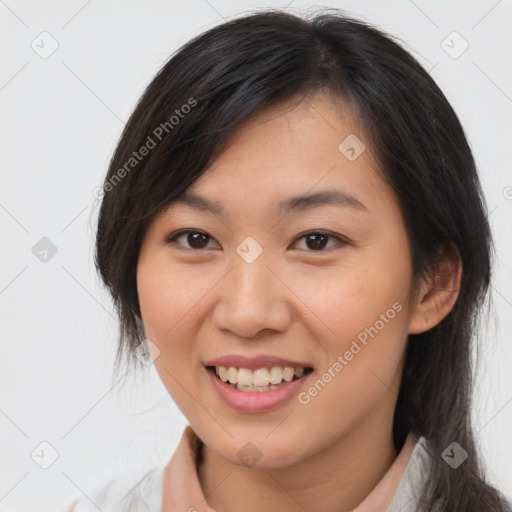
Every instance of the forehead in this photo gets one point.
(313, 147)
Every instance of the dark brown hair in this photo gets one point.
(214, 84)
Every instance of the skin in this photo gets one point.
(293, 301)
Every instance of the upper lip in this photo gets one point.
(253, 363)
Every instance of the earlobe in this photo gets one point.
(437, 294)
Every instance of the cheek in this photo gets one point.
(368, 292)
(166, 297)
(362, 335)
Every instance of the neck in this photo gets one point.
(335, 479)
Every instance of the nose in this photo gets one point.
(252, 299)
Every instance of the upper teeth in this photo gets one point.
(259, 377)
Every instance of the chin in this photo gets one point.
(260, 452)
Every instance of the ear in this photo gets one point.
(437, 293)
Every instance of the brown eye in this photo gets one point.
(196, 240)
(316, 241)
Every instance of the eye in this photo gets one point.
(317, 240)
(197, 240)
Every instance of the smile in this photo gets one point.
(260, 379)
(282, 384)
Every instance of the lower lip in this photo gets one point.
(256, 401)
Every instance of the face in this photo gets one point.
(322, 285)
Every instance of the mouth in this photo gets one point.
(260, 379)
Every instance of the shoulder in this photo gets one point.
(133, 491)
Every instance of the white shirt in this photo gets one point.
(142, 491)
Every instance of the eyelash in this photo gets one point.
(174, 236)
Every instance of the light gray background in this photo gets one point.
(60, 120)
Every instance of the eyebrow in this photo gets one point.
(298, 203)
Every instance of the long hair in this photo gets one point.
(215, 83)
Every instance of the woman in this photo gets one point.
(293, 226)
